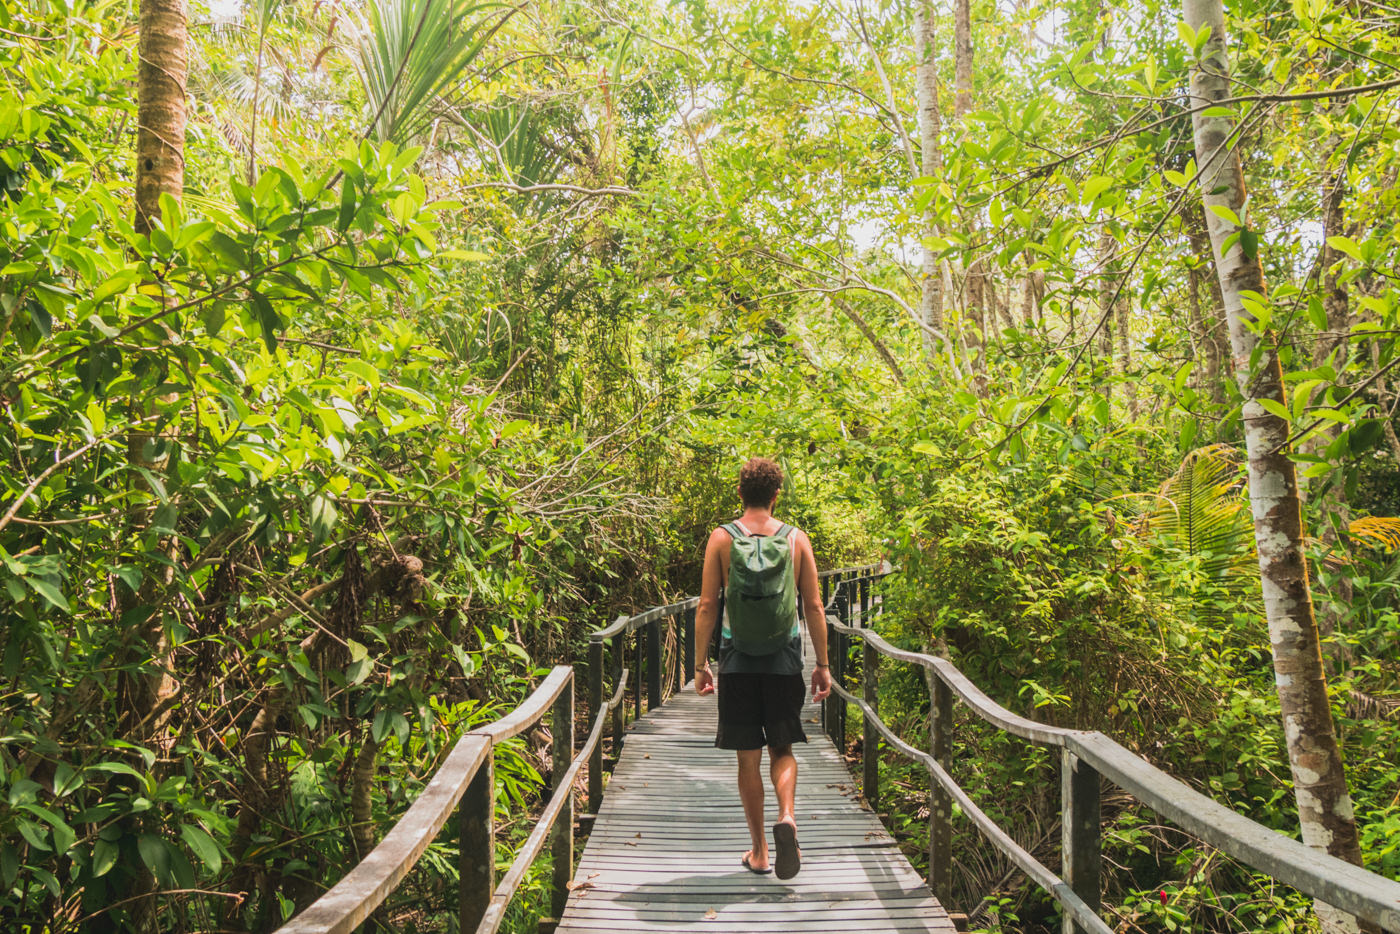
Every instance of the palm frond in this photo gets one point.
(1381, 531)
(510, 136)
(1201, 511)
(407, 52)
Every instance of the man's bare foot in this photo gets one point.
(789, 859)
(754, 864)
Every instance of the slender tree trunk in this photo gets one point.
(962, 58)
(1201, 377)
(962, 105)
(160, 107)
(864, 327)
(257, 92)
(1215, 333)
(1032, 310)
(1123, 312)
(931, 165)
(1331, 509)
(1324, 806)
(1334, 291)
(161, 69)
(1108, 249)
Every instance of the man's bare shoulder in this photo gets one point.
(719, 538)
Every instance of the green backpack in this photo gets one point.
(761, 598)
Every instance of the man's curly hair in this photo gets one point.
(759, 481)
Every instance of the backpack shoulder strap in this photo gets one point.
(784, 530)
(735, 530)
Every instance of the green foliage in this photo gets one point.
(362, 435)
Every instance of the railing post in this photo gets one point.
(637, 636)
(677, 679)
(690, 659)
(476, 860)
(595, 703)
(870, 741)
(833, 640)
(838, 674)
(940, 818)
(864, 602)
(561, 724)
(1079, 830)
(619, 653)
(653, 664)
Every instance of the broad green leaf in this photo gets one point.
(1346, 245)
(203, 847)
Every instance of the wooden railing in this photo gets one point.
(467, 776)
(1085, 757)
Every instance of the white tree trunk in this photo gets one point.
(931, 164)
(1324, 806)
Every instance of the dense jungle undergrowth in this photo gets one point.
(358, 357)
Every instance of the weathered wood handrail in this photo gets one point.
(467, 776)
(548, 820)
(1085, 756)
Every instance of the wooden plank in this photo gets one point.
(664, 850)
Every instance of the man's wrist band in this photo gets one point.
(820, 665)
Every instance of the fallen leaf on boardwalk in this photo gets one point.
(711, 915)
(594, 875)
(580, 887)
(646, 755)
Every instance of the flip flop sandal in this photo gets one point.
(789, 857)
(749, 866)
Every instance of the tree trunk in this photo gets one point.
(1033, 291)
(962, 58)
(931, 164)
(1324, 806)
(962, 104)
(1334, 291)
(1331, 510)
(1215, 334)
(160, 107)
(1202, 379)
(1108, 248)
(1123, 311)
(162, 65)
(864, 327)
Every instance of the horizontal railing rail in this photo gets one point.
(547, 822)
(465, 782)
(1085, 757)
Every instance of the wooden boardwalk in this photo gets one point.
(664, 852)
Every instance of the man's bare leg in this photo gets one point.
(782, 769)
(751, 796)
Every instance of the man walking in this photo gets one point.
(762, 566)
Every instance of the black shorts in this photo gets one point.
(757, 710)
